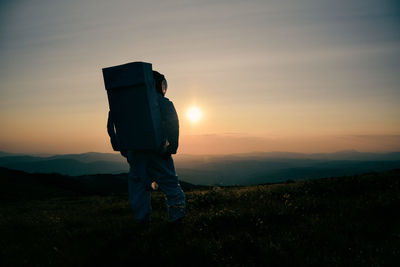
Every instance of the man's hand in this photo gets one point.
(154, 186)
(124, 153)
(171, 150)
(165, 152)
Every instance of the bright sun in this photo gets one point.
(194, 114)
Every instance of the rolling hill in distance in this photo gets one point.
(235, 169)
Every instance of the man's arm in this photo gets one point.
(111, 132)
(113, 136)
(171, 122)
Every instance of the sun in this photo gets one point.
(194, 114)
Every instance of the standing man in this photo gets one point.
(152, 170)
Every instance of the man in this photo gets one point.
(152, 170)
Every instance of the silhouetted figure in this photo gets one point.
(154, 169)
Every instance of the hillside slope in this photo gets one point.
(22, 186)
(351, 221)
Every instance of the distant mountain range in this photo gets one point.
(240, 169)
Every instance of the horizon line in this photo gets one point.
(44, 154)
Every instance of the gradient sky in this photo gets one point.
(300, 76)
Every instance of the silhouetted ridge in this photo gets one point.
(19, 185)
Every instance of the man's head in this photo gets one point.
(160, 82)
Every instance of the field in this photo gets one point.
(351, 221)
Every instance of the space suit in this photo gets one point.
(148, 166)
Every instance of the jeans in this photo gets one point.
(146, 167)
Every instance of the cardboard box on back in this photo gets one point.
(134, 106)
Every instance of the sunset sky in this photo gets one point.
(298, 76)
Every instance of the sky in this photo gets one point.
(298, 76)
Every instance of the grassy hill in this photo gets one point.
(53, 220)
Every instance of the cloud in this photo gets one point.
(236, 143)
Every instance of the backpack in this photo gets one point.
(134, 107)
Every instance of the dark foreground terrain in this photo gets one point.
(52, 220)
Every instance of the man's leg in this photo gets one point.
(164, 173)
(139, 195)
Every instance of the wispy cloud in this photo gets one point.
(233, 143)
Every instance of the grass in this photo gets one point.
(352, 221)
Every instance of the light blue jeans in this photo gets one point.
(146, 167)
